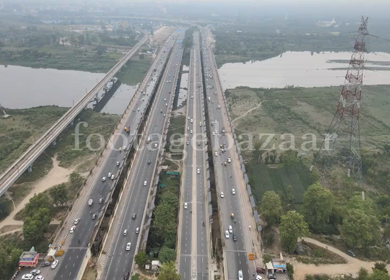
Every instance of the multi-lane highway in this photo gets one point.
(237, 242)
(133, 201)
(76, 243)
(8, 177)
(194, 247)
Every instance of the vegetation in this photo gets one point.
(271, 207)
(169, 272)
(162, 236)
(292, 227)
(5, 207)
(59, 194)
(141, 258)
(312, 254)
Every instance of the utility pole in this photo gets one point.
(343, 136)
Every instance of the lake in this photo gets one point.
(301, 69)
(24, 87)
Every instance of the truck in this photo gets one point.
(90, 201)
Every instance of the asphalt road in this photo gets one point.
(236, 252)
(194, 260)
(120, 260)
(70, 263)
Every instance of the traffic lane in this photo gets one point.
(139, 180)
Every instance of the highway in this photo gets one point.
(194, 247)
(120, 260)
(9, 176)
(235, 252)
(76, 243)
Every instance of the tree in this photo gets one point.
(164, 220)
(271, 207)
(76, 181)
(363, 274)
(168, 272)
(379, 275)
(289, 159)
(381, 266)
(166, 255)
(100, 50)
(266, 258)
(141, 258)
(5, 207)
(366, 205)
(59, 194)
(292, 227)
(37, 201)
(32, 230)
(256, 153)
(290, 194)
(318, 205)
(359, 229)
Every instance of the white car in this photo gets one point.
(54, 264)
(233, 191)
(213, 133)
(118, 163)
(128, 246)
(166, 104)
(216, 154)
(145, 183)
(198, 171)
(35, 272)
(222, 195)
(230, 229)
(192, 96)
(72, 229)
(109, 174)
(137, 230)
(229, 159)
(185, 205)
(219, 107)
(192, 120)
(138, 109)
(258, 277)
(125, 232)
(188, 117)
(227, 234)
(112, 177)
(155, 145)
(191, 131)
(240, 275)
(104, 179)
(27, 276)
(76, 221)
(39, 277)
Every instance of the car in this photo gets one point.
(72, 229)
(27, 276)
(118, 163)
(134, 216)
(166, 104)
(112, 177)
(124, 147)
(192, 96)
(240, 275)
(200, 124)
(188, 142)
(165, 99)
(271, 276)
(351, 253)
(192, 120)
(54, 264)
(229, 160)
(126, 275)
(216, 154)
(234, 237)
(230, 229)
(104, 179)
(149, 162)
(164, 115)
(219, 107)
(45, 263)
(94, 216)
(76, 221)
(145, 183)
(213, 133)
(35, 272)
(125, 232)
(222, 195)
(138, 109)
(191, 131)
(185, 205)
(101, 200)
(198, 171)
(258, 277)
(188, 128)
(128, 246)
(227, 234)
(109, 174)
(188, 117)
(155, 145)
(260, 270)
(39, 277)
(137, 230)
(233, 191)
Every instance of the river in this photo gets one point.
(301, 69)
(24, 87)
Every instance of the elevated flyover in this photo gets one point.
(25, 161)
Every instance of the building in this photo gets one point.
(276, 266)
(326, 23)
(29, 259)
(156, 265)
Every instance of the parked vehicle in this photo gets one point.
(90, 201)
(54, 264)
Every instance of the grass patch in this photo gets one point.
(19, 192)
(134, 71)
(175, 134)
(313, 254)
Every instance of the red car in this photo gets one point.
(260, 270)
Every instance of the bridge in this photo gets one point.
(26, 160)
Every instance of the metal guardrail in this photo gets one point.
(8, 177)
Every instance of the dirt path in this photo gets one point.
(56, 175)
(352, 266)
(247, 112)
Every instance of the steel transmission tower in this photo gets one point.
(343, 135)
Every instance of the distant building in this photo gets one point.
(29, 259)
(326, 23)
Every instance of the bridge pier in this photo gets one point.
(29, 169)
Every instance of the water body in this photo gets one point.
(300, 69)
(24, 87)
